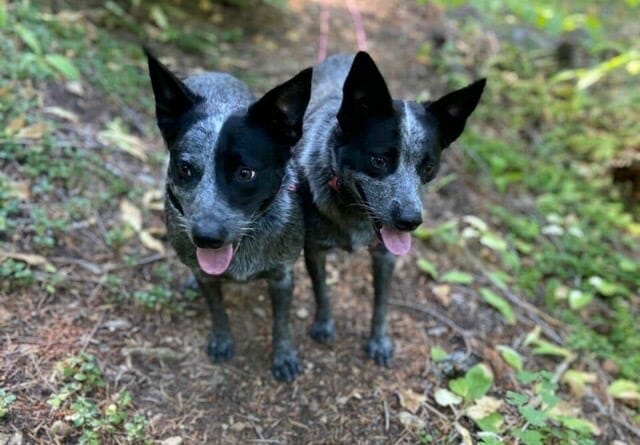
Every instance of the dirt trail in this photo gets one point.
(341, 397)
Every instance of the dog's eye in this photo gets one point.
(245, 174)
(185, 171)
(379, 162)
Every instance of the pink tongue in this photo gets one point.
(396, 242)
(214, 261)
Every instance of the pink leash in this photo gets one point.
(358, 24)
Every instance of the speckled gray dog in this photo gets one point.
(363, 157)
(230, 210)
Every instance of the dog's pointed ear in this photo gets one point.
(453, 109)
(364, 94)
(281, 110)
(173, 97)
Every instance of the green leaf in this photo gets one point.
(3, 14)
(531, 437)
(624, 389)
(500, 304)
(580, 425)
(532, 415)
(492, 423)
(493, 242)
(444, 397)
(438, 354)
(516, 399)
(28, 38)
(480, 380)
(511, 356)
(63, 65)
(422, 233)
(457, 277)
(489, 438)
(543, 347)
(460, 387)
(158, 16)
(579, 299)
(499, 279)
(427, 267)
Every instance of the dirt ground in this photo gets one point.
(340, 397)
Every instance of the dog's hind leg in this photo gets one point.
(285, 366)
(323, 329)
(380, 347)
(220, 346)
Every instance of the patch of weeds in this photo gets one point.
(6, 399)
(96, 419)
(16, 273)
(154, 297)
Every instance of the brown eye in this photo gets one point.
(379, 162)
(245, 174)
(185, 170)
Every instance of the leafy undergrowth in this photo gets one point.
(561, 232)
(552, 252)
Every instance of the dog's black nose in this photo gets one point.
(406, 219)
(208, 235)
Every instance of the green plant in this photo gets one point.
(6, 399)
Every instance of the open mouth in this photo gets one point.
(396, 241)
(215, 261)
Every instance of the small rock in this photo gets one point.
(175, 440)
(259, 312)
(238, 426)
(302, 313)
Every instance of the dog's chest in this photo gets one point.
(348, 232)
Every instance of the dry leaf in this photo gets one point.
(30, 258)
(466, 435)
(444, 397)
(443, 293)
(33, 131)
(483, 407)
(410, 421)
(157, 231)
(117, 136)
(151, 243)
(14, 125)
(411, 400)
(75, 87)
(131, 215)
(62, 114)
(20, 189)
(153, 199)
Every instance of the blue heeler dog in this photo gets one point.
(230, 210)
(364, 157)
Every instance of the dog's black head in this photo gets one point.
(387, 148)
(228, 156)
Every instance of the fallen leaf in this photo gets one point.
(411, 421)
(577, 381)
(116, 135)
(444, 397)
(483, 407)
(624, 390)
(33, 131)
(75, 87)
(150, 242)
(466, 435)
(442, 292)
(20, 189)
(30, 258)
(153, 199)
(14, 125)
(62, 114)
(131, 215)
(411, 400)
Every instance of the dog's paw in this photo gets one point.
(380, 350)
(285, 366)
(323, 331)
(220, 349)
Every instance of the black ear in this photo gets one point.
(364, 94)
(453, 109)
(281, 110)
(173, 98)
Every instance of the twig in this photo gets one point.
(39, 371)
(435, 314)
(386, 414)
(143, 262)
(86, 341)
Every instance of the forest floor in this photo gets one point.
(514, 317)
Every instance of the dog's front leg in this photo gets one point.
(380, 347)
(220, 346)
(285, 366)
(323, 329)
